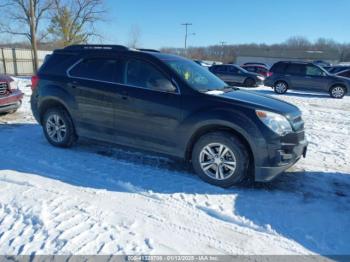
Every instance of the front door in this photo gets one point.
(152, 115)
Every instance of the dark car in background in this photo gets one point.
(337, 69)
(10, 95)
(169, 105)
(236, 75)
(345, 73)
(286, 75)
(256, 63)
(258, 69)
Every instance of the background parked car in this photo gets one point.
(345, 73)
(256, 63)
(202, 63)
(234, 74)
(258, 69)
(286, 75)
(337, 69)
(10, 95)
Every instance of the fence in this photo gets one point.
(15, 61)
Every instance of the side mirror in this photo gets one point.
(162, 84)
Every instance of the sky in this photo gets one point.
(231, 21)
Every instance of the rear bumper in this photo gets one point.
(11, 102)
(284, 160)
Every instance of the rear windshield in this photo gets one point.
(195, 75)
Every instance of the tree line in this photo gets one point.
(294, 47)
(55, 22)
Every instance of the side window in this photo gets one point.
(279, 68)
(313, 71)
(233, 69)
(100, 69)
(221, 69)
(142, 74)
(295, 69)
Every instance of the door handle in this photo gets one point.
(125, 95)
(73, 84)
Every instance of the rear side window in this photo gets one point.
(100, 69)
(296, 69)
(279, 68)
(220, 69)
(57, 64)
(250, 68)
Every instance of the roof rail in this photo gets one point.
(148, 50)
(97, 47)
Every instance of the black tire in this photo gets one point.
(280, 87)
(240, 174)
(70, 136)
(249, 82)
(337, 91)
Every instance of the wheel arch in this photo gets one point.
(51, 102)
(214, 128)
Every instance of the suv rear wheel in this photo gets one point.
(219, 158)
(58, 127)
(280, 87)
(337, 91)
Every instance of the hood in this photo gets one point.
(258, 101)
(5, 78)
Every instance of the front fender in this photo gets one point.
(237, 120)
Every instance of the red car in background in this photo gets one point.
(10, 95)
(256, 68)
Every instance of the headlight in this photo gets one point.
(261, 78)
(13, 85)
(276, 122)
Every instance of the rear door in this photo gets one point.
(295, 75)
(151, 116)
(95, 80)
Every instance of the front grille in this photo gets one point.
(3, 88)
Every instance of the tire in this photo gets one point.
(58, 127)
(280, 87)
(337, 91)
(236, 159)
(249, 82)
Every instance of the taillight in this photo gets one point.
(35, 81)
(269, 74)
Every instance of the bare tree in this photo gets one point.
(73, 21)
(23, 19)
(134, 37)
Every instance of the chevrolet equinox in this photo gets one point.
(169, 105)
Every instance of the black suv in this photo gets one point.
(236, 75)
(169, 105)
(305, 76)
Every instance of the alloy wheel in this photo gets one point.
(217, 161)
(56, 128)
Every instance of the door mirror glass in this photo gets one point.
(161, 84)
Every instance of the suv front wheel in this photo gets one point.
(280, 87)
(219, 158)
(58, 127)
(337, 91)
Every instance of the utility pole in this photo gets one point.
(33, 34)
(186, 32)
(222, 51)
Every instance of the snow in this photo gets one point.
(103, 199)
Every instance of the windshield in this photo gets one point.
(195, 75)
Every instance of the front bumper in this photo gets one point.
(11, 102)
(283, 158)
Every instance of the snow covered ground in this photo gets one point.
(99, 199)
